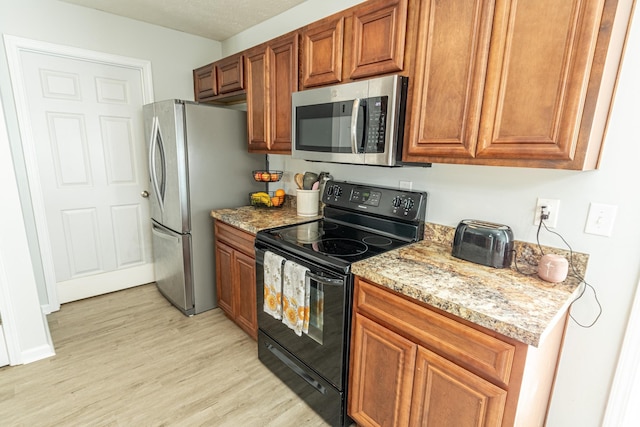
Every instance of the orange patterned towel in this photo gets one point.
(273, 284)
(295, 297)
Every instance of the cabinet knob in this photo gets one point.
(145, 194)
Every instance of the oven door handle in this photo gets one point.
(325, 280)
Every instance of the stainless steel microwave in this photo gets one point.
(360, 122)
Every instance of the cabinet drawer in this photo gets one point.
(240, 240)
(480, 353)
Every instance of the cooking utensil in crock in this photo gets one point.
(309, 179)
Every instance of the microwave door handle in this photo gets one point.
(354, 125)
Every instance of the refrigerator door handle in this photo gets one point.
(155, 134)
(163, 234)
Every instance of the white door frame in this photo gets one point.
(20, 308)
(14, 46)
(622, 407)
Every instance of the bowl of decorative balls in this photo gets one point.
(267, 176)
(270, 199)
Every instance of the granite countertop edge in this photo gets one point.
(518, 306)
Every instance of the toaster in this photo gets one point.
(484, 243)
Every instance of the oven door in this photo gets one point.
(324, 348)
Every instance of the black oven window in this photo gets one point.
(316, 311)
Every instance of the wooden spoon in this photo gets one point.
(299, 179)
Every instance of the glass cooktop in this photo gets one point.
(334, 240)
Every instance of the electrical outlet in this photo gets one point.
(600, 219)
(406, 185)
(552, 208)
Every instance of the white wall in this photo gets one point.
(508, 195)
(289, 20)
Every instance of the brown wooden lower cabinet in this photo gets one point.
(236, 276)
(412, 365)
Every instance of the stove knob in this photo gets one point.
(397, 201)
(329, 191)
(337, 191)
(408, 204)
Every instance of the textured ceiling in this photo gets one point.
(213, 19)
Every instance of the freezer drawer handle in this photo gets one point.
(295, 368)
(163, 234)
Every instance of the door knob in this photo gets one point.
(145, 194)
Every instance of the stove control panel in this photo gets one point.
(383, 201)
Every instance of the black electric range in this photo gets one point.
(359, 221)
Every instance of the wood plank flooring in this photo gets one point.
(131, 359)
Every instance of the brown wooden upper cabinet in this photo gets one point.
(222, 80)
(204, 83)
(501, 82)
(363, 41)
(272, 75)
(230, 74)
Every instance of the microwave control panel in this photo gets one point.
(376, 124)
(389, 202)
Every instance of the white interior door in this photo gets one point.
(84, 121)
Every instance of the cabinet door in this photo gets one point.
(322, 44)
(272, 75)
(204, 82)
(283, 73)
(541, 56)
(230, 74)
(449, 77)
(245, 283)
(258, 117)
(224, 278)
(378, 40)
(447, 395)
(382, 370)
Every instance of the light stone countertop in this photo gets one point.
(503, 300)
(252, 219)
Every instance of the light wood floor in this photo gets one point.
(130, 359)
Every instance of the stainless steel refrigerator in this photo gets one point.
(198, 161)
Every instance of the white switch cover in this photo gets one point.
(601, 219)
(406, 185)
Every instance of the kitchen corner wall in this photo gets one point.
(508, 196)
(173, 56)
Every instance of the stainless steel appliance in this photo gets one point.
(359, 221)
(360, 122)
(198, 161)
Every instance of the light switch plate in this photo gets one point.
(406, 185)
(601, 219)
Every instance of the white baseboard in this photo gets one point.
(90, 286)
(41, 352)
(4, 353)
